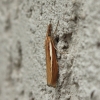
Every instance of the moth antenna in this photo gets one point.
(50, 21)
(53, 40)
(56, 27)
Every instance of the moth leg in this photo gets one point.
(60, 51)
(44, 45)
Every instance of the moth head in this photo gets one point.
(49, 29)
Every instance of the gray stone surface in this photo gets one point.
(23, 25)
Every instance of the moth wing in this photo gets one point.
(54, 66)
(48, 60)
(51, 62)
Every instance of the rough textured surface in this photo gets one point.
(23, 25)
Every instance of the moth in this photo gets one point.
(51, 59)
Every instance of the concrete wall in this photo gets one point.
(23, 26)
